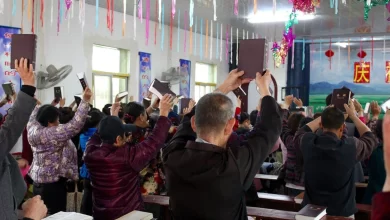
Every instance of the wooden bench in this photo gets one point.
(264, 214)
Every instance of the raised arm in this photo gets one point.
(64, 132)
(367, 141)
(139, 155)
(18, 115)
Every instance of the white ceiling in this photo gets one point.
(326, 24)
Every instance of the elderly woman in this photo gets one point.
(54, 154)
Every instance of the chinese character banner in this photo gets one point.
(144, 74)
(6, 74)
(361, 73)
(185, 72)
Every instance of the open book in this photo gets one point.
(311, 212)
(8, 88)
(137, 215)
(68, 216)
(83, 80)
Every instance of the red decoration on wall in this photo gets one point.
(329, 53)
(362, 54)
(362, 72)
(387, 79)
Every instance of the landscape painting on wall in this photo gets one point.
(324, 78)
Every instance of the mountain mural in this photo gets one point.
(322, 88)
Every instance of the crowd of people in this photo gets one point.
(205, 159)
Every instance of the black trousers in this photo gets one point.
(86, 203)
(53, 195)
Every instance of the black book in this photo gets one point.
(8, 88)
(239, 92)
(160, 89)
(184, 103)
(83, 80)
(340, 97)
(23, 45)
(58, 92)
(77, 98)
(251, 57)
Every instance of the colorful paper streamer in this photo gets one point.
(207, 39)
(236, 7)
(231, 45)
(97, 14)
(13, 7)
(217, 43)
(178, 31)
(254, 6)
(82, 13)
(227, 43)
(237, 48)
(32, 18)
(191, 13)
(1, 6)
(29, 3)
(140, 9)
(185, 30)
(195, 34)
(211, 40)
(62, 10)
(41, 15)
(68, 4)
(162, 26)
(147, 20)
(173, 9)
(201, 39)
(159, 14)
(135, 20)
(58, 16)
(215, 9)
(220, 43)
(155, 24)
(170, 30)
(51, 12)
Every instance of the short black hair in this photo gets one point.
(106, 109)
(379, 129)
(305, 121)
(212, 113)
(328, 100)
(294, 120)
(253, 117)
(243, 117)
(132, 111)
(317, 115)
(66, 114)
(332, 118)
(47, 114)
(94, 117)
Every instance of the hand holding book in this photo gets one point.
(166, 104)
(87, 94)
(263, 81)
(233, 81)
(26, 72)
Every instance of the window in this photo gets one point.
(205, 79)
(110, 74)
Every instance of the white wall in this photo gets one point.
(73, 46)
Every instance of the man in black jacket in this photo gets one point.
(330, 159)
(209, 171)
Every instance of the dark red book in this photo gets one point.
(184, 103)
(311, 212)
(23, 46)
(8, 88)
(340, 97)
(239, 92)
(160, 88)
(251, 57)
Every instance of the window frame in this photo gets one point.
(213, 68)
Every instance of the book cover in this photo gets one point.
(77, 99)
(239, 92)
(386, 105)
(123, 94)
(184, 103)
(137, 215)
(83, 80)
(8, 88)
(23, 45)
(160, 89)
(251, 57)
(58, 92)
(340, 97)
(311, 212)
(68, 216)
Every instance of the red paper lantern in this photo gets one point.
(329, 53)
(362, 54)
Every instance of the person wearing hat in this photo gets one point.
(114, 164)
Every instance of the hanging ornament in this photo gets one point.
(254, 6)
(185, 30)
(276, 54)
(178, 32)
(303, 53)
(173, 9)
(316, 3)
(304, 6)
(162, 26)
(215, 9)
(29, 8)
(191, 13)
(211, 40)
(108, 16)
(135, 20)
(124, 17)
(82, 13)
(159, 14)
(368, 4)
(68, 3)
(362, 54)
(62, 11)
(33, 16)
(147, 21)
(220, 43)
(13, 7)
(155, 24)
(329, 53)
(231, 44)
(334, 4)
(236, 7)
(237, 48)
(170, 30)
(42, 12)
(97, 13)
(51, 12)
(140, 9)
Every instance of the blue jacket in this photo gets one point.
(84, 137)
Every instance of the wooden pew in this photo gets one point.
(264, 214)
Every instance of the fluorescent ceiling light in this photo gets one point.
(343, 45)
(279, 16)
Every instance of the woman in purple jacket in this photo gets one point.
(114, 164)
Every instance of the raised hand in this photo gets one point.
(298, 102)
(232, 82)
(358, 106)
(263, 82)
(166, 104)
(87, 95)
(26, 72)
(115, 108)
(375, 109)
(62, 102)
(350, 109)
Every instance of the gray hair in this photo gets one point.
(212, 113)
